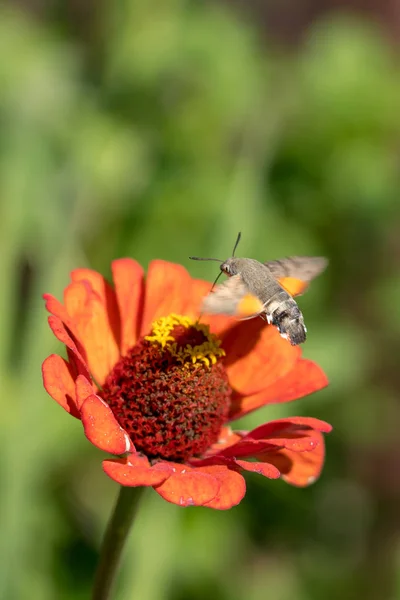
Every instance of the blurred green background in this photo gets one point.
(158, 130)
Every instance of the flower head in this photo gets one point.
(158, 388)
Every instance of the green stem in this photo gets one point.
(114, 540)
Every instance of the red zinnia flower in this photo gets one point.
(158, 389)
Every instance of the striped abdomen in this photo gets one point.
(282, 311)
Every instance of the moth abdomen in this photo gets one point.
(284, 313)
(293, 329)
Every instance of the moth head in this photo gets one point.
(229, 266)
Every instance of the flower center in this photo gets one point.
(171, 392)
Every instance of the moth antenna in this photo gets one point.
(200, 258)
(236, 243)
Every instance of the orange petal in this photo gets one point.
(256, 356)
(129, 288)
(304, 378)
(59, 383)
(101, 427)
(94, 329)
(188, 487)
(97, 282)
(135, 471)
(265, 469)
(167, 291)
(55, 307)
(299, 468)
(61, 333)
(232, 487)
(84, 388)
(293, 286)
(107, 295)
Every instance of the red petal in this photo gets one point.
(256, 356)
(299, 434)
(59, 383)
(304, 378)
(262, 468)
(299, 468)
(247, 448)
(129, 288)
(188, 487)
(94, 330)
(135, 471)
(232, 487)
(295, 433)
(167, 291)
(101, 427)
(268, 470)
(226, 439)
(288, 425)
(84, 389)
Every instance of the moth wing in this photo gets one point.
(295, 272)
(232, 298)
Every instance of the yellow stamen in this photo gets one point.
(206, 353)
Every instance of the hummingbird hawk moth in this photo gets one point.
(266, 290)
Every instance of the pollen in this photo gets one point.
(189, 342)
